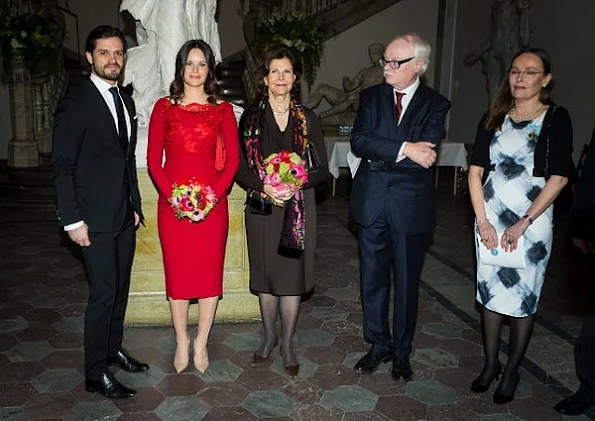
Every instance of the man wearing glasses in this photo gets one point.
(398, 128)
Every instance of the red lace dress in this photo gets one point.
(193, 253)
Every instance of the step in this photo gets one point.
(227, 91)
(230, 72)
(230, 82)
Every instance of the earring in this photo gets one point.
(545, 85)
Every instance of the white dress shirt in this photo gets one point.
(405, 101)
(103, 88)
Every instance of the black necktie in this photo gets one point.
(399, 106)
(122, 130)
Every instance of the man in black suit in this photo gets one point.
(398, 127)
(582, 230)
(99, 202)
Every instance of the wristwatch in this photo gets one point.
(528, 218)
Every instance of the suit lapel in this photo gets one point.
(130, 110)
(413, 110)
(100, 107)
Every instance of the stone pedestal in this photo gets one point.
(147, 303)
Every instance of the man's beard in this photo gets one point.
(113, 75)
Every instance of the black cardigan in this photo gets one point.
(556, 125)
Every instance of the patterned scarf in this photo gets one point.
(291, 243)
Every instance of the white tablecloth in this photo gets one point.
(450, 154)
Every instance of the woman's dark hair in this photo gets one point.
(101, 32)
(176, 89)
(274, 53)
(503, 102)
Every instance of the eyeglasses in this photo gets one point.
(394, 64)
(530, 73)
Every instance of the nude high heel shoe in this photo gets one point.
(201, 357)
(181, 357)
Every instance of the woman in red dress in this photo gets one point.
(199, 136)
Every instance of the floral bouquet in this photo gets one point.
(192, 199)
(285, 171)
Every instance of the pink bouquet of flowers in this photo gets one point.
(285, 171)
(192, 199)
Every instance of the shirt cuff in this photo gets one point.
(71, 227)
(400, 155)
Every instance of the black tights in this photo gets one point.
(289, 306)
(521, 329)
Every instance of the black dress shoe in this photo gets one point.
(401, 369)
(109, 387)
(575, 404)
(369, 363)
(127, 363)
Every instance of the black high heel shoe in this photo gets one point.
(290, 370)
(478, 387)
(260, 360)
(500, 398)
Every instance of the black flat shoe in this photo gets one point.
(478, 387)
(127, 363)
(576, 404)
(401, 369)
(369, 363)
(109, 387)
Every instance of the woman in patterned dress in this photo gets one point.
(524, 147)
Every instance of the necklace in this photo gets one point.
(279, 113)
(516, 117)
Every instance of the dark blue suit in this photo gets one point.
(394, 206)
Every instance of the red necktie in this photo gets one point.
(399, 106)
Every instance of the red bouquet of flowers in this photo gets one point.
(192, 199)
(285, 171)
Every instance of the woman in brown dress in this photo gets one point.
(280, 225)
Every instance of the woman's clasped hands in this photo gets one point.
(280, 194)
(508, 240)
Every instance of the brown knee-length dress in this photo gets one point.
(270, 272)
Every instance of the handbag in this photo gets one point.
(499, 257)
(311, 157)
(256, 204)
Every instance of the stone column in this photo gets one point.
(22, 147)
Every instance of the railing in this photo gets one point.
(47, 91)
(310, 7)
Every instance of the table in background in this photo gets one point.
(451, 154)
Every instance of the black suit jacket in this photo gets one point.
(405, 187)
(94, 178)
(582, 216)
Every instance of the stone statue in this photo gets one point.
(162, 26)
(509, 34)
(345, 101)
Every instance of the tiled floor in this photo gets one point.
(41, 361)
